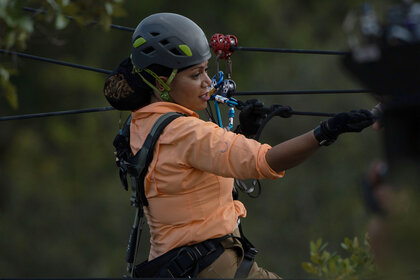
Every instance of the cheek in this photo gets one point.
(177, 92)
(182, 91)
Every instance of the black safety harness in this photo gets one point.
(182, 262)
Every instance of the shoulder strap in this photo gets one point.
(123, 151)
(136, 167)
(144, 157)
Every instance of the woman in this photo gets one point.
(190, 179)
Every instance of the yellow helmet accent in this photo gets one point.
(138, 42)
(186, 49)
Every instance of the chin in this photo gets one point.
(201, 108)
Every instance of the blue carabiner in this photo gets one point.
(217, 82)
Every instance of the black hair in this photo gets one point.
(125, 90)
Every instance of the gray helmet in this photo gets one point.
(169, 40)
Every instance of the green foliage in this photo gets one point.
(17, 25)
(357, 265)
(85, 12)
(8, 89)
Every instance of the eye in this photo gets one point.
(197, 74)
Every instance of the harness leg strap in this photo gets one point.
(249, 256)
(246, 264)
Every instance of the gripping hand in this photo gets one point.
(253, 112)
(354, 121)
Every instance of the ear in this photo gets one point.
(158, 85)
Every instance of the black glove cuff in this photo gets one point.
(323, 135)
(239, 130)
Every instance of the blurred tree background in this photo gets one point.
(63, 212)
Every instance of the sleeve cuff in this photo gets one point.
(264, 168)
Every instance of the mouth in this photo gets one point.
(205, 97)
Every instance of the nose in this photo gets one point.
(207, 81)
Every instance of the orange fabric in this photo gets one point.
(189, 181)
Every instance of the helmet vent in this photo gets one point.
(175, 51)
(154, 34)
(148, 50)
(164, 42)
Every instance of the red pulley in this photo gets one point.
(221, 44)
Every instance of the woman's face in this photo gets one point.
(190, 88)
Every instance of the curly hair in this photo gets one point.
(125, 90)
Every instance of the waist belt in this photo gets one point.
(186, 261)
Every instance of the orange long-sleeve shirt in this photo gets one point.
(189, 182)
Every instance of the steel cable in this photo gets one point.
(302, 92)
(109, 108)
(59, 113)
(59, 62)
(239, 93)
(104, 71)
(250, 49)
(281, 50)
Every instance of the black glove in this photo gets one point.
(253, 112)
(354, 121)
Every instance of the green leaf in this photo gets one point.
(323, 247)
(8, 89)
(26, 24)
(309, 267)
(315, 259)
(53, 4)
(356, 242)
(61, 22)
(312, 248)
(109, 8)
(10, 39)
(4, 75)
(325, 256)
(319, 242)
(11, 95)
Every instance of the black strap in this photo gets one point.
(144, 157)
(249, 256)
(249, 249)
(123, 151)
(186, 261)
(137, 166)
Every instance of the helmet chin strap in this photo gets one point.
(164, 95)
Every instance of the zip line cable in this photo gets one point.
(109, 108)
(243, 93)
(302, 92)
(54, 61)
(280, 50)
(250, 49)
(104, 71)
(124, 28)
(59, 113)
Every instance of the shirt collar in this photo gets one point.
(162, 108)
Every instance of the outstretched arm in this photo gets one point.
(294, 151)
